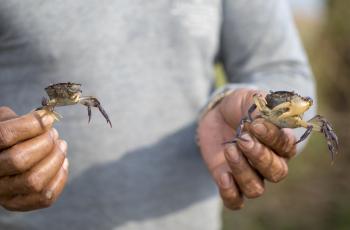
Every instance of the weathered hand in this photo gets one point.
(239, 170)
(33, 163)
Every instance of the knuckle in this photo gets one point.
(277, 177)
(286, 144)
(34, 183)
(5, 109)
(264, 158)
(16, 160)
(6, 136)
(289, 146)
(277, 139)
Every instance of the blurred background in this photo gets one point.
(316, 194)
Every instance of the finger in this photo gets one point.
(248, 180)
(37, 178)
(6, 113)
(24, 127)
(39, 200)
(282, 141)
(273, 167)
(55, 187)
(23, 156)
(212, 151)
(228, 189)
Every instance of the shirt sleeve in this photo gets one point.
(260, 48)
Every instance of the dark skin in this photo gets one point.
(33, 163)
(239, 170)
(34, 167)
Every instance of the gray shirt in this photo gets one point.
(150, 63)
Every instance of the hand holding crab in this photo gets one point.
(286, 109)
(239, 170)
(33, 161)
(261, 152)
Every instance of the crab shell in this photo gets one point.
(63, 90)
(278, 97)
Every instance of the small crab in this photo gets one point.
(285, 109)
(68, 93)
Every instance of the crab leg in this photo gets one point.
(325, 127)
(89, 102)
(250, 111)
(306, 134)
(239, 131)
(89, 113)
(241, 125)
(49, 108)
(320, 124)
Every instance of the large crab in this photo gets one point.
(285, 109)
(68, 93)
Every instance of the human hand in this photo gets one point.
(239, 170)
(33, 163)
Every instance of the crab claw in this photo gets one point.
(332, 139)
(322, 125)
(89, 113)
(93, 102)
(104, 114)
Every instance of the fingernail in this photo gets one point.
(49, 195)
(65, 164)
(259, 129)
(232, 153)
(247, 143)
(54, 133)
(226, 180)
(63, 146)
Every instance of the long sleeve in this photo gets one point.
(260, 45)
(260, 48)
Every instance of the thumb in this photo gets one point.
(235, 106)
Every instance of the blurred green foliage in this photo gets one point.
(316, 194)
(220, 78)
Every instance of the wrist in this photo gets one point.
(222, 92)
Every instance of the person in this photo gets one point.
(151, 66)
